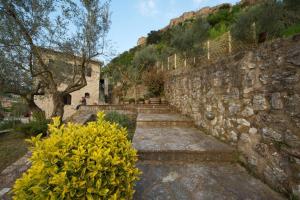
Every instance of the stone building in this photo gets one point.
(91, 91)
(141, 41)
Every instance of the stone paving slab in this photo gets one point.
(199, 181)
(153, 106)
(162, 117)
(181, 144)
(11, 173)
(176, 138)
(163, 120)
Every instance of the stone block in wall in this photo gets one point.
(276, 101)
(233, 136)
(247, 112)
(234, 108)
(260, 102)
(270, 134)
(294, 56)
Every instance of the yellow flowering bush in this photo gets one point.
(93, 161)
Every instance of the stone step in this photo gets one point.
(153, 106)
(199, 181)
(180, 144)
(163, 120)
(154, 110)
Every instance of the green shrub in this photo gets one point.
(122, 120)
(154, 37)
(222, 15)
(1, 116)
(188, 39)
(33, 128)
(93, 161)
(218, 30)
(292, 30)
(39, 125)
(9, 124)
(154, 80)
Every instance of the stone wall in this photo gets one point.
(252, 101)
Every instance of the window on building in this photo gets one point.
(87, 95)
(67, 99)
(88, 71)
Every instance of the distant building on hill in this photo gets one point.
(141, 41)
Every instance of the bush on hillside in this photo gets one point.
(271, 18)
(189, 39)
(223, 15)
(145, 57)
(154, 37)
(93, 161)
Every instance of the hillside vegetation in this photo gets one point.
(264, 21)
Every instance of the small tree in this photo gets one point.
(154, 80)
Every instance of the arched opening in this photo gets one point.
(88, 71)
(67, 99)
(87, 95)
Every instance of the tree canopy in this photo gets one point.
(73, 28)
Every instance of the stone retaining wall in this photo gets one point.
(252, 101)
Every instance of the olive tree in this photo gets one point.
(76, 29)
(269, 18)
(189, 38)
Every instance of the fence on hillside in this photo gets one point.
(213, 50)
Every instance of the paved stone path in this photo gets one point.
(11, 173)
(180, 162)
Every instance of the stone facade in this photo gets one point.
(92, 88)
(252, 101)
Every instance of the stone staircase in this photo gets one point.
(180, 162)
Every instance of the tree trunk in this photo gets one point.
(33, 107)
(58, 105)
(31, 104)
(135, 93)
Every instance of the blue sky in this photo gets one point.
(132, 19)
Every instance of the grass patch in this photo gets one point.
(292, 30)
(12, 147)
